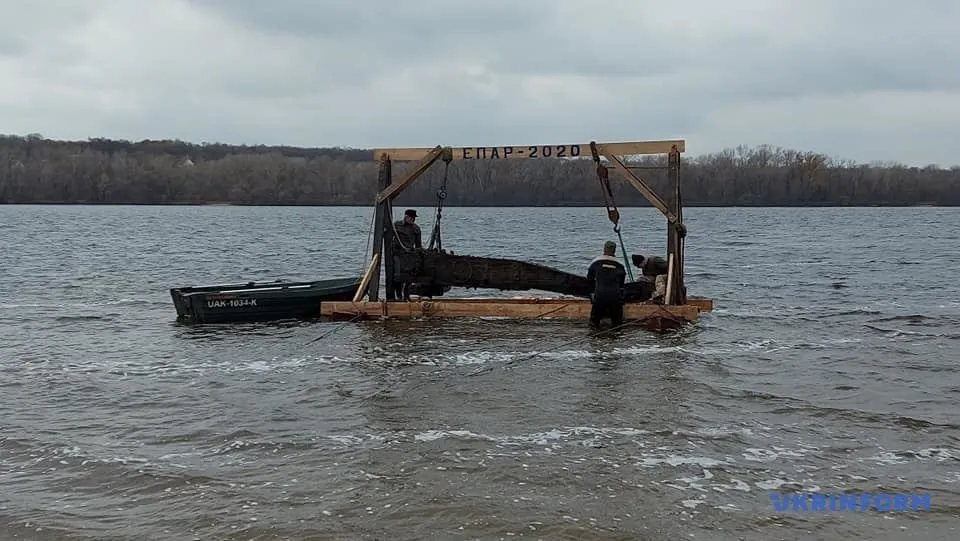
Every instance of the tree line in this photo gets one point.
(34, 169)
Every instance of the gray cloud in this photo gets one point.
(867, 80)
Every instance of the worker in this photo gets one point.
(656, 268)
(650, 266)
(608, 276)
(406, 237)
(407, 232)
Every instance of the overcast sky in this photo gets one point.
(858, 79)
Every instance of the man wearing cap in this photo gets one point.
(650, 266)
(608, 275)
(654, 267)
(406, 236)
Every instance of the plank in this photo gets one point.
(380, 224)
(365, 282)
(703, 303)
(667, 297)
(463, 308)
(574, 150)
(386, 241)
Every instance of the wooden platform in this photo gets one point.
(509, 308)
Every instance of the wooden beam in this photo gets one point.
(374, 263)
(675, 240)
(578, 309)
(391, 191)
(668, 296)
(647, 167)
(575, 150)
(642, 187)
(388, 232)
(380, 224)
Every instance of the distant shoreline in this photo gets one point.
(34, 170)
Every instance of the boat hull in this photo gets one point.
(259, 301)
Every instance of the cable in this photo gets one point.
(343, 324)
(366, 249)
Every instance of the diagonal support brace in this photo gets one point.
(411, 175)
(643, 188)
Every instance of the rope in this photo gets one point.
(343, 324)
(623, 250)
(366, 250)
(555, 310)
(396, 235)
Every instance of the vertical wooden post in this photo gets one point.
(387, 258)
(675, 242)
(681, 243)
(379, 227)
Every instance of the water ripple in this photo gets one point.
(825, 366)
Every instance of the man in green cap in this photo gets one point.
(608, 276)
(654, 269)
(406, 237)
(650, 266)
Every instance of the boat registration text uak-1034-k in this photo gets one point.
(230, 302)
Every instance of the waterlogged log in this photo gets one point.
(442, 269)
(434, 271)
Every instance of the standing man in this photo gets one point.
(406, 237)
(608, 275)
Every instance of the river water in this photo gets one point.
(829, 364)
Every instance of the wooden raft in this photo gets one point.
(511, 308)
(678, 308)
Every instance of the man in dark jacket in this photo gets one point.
(650, 266)
(608, 275)
(654, 269)
(406, 236)
(407, 232)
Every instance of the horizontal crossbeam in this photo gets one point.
(578, 150)
(425, 162)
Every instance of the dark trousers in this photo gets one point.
(399, 291)
(606, 308)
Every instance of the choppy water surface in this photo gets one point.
(829, 364)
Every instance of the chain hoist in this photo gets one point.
(603, 175)
(435, 240)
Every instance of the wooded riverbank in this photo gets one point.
(101, 171)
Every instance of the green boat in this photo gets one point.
(259, 301)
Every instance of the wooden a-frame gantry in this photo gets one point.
(677, 307)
